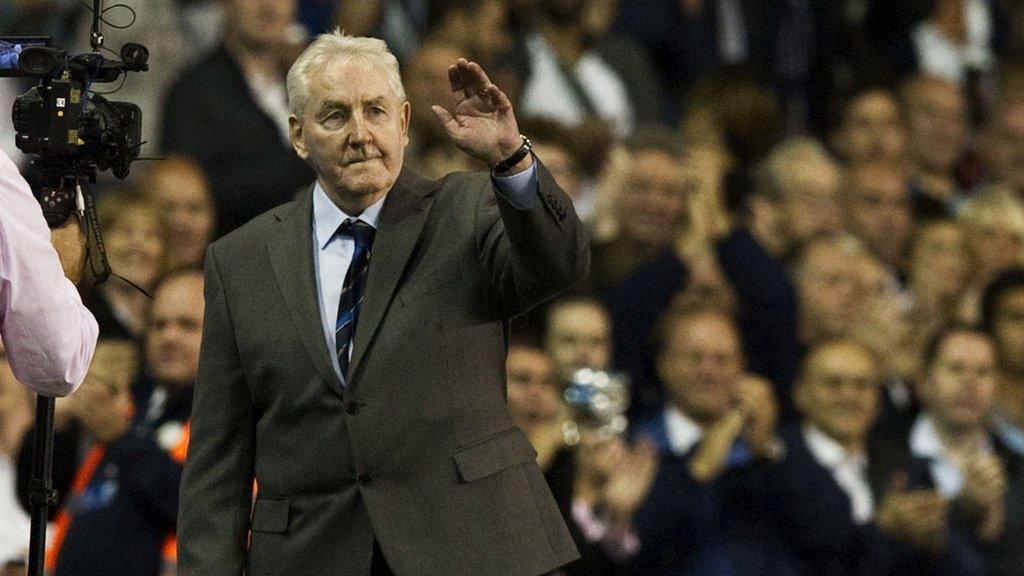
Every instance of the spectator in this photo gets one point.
(937, 273)
(870, 127)
(578, 336)
(134, 238)
(567, 80)
(579, 474)
(707, 510)
(651, 209)
(937, 129)
(229, 112)
(965, 462)
(182, 195)
(426, 85)
(878, 211)
(560, 147)
(794, 203)
(993, 225)
(1002, 145)
(1002, 314)
(844, 511)
(831, 299)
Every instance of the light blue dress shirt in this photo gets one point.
(333, 253)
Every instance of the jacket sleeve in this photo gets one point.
(530, 255)
(217, 482)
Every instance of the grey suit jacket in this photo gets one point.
(419, 450)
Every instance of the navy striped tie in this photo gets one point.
(352, 291)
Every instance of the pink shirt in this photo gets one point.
(49, 334)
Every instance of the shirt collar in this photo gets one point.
(924, 439)
(683, 433)
(827, 451)
(327, 217)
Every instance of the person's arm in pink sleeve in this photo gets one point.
(49, 334)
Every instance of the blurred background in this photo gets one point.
(807, 223)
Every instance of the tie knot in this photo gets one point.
(360, 231)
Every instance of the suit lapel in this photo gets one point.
(291, 255)
(401, 221)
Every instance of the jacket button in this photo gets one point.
(365, 478)
(352, 407)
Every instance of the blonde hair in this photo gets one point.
(994, 204)
(337, 46)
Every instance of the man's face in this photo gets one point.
(839, 392)
(936, 115)
(428, 84)
(115, 362)
(354, 129)
(872, 129)
(1008, 330)
(653, 202)
(938, 264)
(961, 383)
(259, 24)
(187, 210)
(579, 336)
(701, 365)
(1005, 147)
(830, 292)
(532, 390)
(879, 211)
(135, 245)
(811, 207)
(175, 330)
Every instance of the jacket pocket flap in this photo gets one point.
(270, 515)
(494, 454)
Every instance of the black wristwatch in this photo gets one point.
(516, 157)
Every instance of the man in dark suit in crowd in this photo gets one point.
(377, 427)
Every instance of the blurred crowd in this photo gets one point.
(807, 223)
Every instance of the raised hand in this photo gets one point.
(482, 124)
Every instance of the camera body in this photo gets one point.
(72, 131)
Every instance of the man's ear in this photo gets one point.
(406, 116)
(295, 132)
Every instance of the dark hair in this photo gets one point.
(1007, 281)
(173, 274)
(931, 351)
(841, 104)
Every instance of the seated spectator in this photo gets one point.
(580, 474)
(229, 112)
(878, 211)
(134, 238)
(961, 458)
(708, 509)
(795, 201)
(15, 420)
(832, 299)
(937, 274)
(578, 336)
(566, 79)
(993, 225)
(845, 513)
(1002, 316)
(1001, 145)
(937, 129)
(182, 195)
(870, 127)
(119, 490)
(651, 209)
(426, 84)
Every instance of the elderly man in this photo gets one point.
(353, 350)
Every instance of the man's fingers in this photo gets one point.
(498, 98)
(445, 117)
(454, 78)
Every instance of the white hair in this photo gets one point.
(337, 46)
